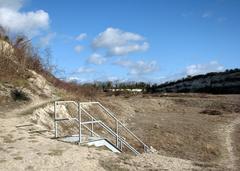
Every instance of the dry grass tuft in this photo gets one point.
(110, 165)
(55, 152)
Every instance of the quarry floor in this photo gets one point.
(177, 125)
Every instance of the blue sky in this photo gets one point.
(130, 40)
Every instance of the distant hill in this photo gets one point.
(227, 82)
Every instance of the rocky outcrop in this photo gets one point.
(40, 85)
(6, 49)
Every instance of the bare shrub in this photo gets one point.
(19, 95)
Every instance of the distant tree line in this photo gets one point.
(214, 82)
(110, 85)
(227, 82)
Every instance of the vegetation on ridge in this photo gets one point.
(227, 82)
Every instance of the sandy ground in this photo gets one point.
(229, 157)
(176, 126)
(22, 148)
(236, 145)
(186, 139)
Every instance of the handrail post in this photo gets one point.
(92, 128)
(120, 145)
(55, 122)
(80, 122)
(117, 133)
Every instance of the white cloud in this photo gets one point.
(124, 50)
(196, 69)
(96, 59)
(72, 79)
(11, 4)
(44, 41)
(139, 67)
(119, 43)
(115, 37)
(83, 70)
(123, 63)
(78, 48)
(81, 36)
(113, 78)
(28, 23)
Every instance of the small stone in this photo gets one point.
(156, 125)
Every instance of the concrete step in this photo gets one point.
(104, 143)
(92, 141)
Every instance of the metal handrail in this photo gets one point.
(91, 131)
(112, 115)
(113, 133)
(110, 131)
(145, 147)
(120, 138)
(94, 120)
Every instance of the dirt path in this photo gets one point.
(22, 150)
(27, 108)
(226, 133)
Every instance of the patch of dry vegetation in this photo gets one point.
(18, 58)
(178, 125)
(55, 152)
(110, 165)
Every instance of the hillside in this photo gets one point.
(227, 82)
(26, 76)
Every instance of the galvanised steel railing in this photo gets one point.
(120, 141)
